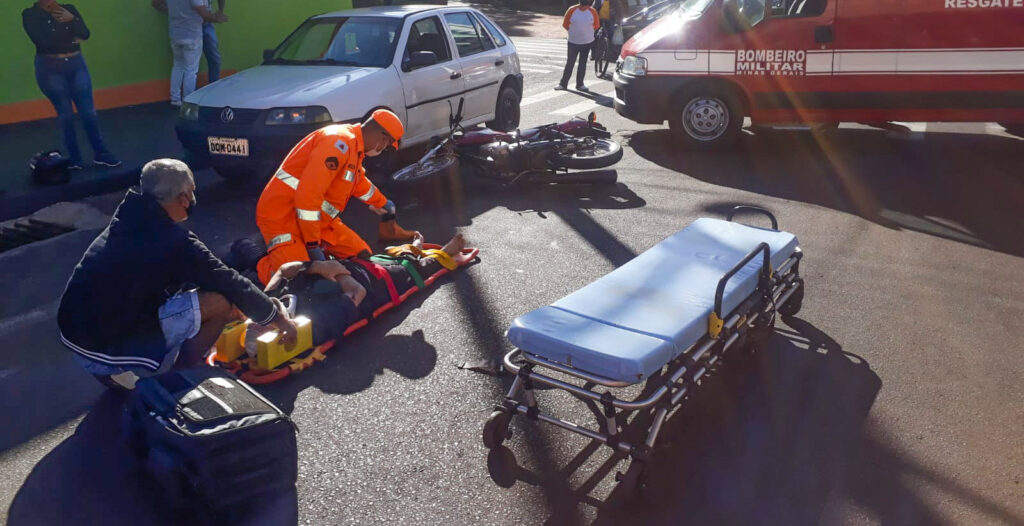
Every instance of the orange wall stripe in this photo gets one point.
(105, 98)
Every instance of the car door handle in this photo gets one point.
(499, 62)
(455, 75)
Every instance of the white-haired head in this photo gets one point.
(166, 179)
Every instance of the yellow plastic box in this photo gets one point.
(229, 343)
(270, 353)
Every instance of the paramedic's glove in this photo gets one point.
(284, 325)
(386, 212)
(315, 252)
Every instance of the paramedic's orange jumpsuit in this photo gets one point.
(301, 203)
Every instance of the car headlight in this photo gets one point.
(189, 111)
(635, 66)
(307, 115)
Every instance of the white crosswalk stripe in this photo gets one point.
(584, 106)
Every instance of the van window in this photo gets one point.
(797, 8)
(427, 35)
(499, 39)
(467, 39)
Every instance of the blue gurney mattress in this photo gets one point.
(631, 322)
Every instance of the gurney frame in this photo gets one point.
(748, 326)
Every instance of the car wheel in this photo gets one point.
(706, 118)
(506, 112)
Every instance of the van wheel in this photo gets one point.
(506, 112)
(705, 118)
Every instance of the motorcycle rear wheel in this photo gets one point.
(588, 153)
(437, 165)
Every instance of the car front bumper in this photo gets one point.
(268, 145)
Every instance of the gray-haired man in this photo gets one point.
(148, 295)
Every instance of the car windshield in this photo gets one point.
(345, 41)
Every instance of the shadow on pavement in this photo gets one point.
(972, 194)
(763, 441)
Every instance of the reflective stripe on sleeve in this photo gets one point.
(308, 215)
(366, 197)
(288, 179)
(330, 210)
(349, 176)
(277, 240)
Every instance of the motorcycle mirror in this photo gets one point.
(592, 118)
(462, 100)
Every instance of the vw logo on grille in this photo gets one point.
(227, 115)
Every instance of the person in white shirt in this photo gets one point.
(185, 24)
(581, 21)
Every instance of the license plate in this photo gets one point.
(228, 146)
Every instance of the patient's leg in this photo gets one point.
(455, 245)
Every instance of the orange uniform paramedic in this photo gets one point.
(298, 212)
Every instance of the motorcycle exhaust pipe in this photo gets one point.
(588, 177)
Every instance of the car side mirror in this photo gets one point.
(268, 54)
(421, 59)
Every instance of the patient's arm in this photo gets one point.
(352, 289)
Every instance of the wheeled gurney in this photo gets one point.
(667, 316)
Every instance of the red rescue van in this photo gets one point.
(713, 62)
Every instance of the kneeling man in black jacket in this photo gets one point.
(148, 295)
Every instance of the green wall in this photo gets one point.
(129, 40)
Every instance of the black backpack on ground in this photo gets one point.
(49, 168)
(215, 446)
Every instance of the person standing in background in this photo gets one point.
(211, 46)
(581, 21)
(56, 30)
(185, 20)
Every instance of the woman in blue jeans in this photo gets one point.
(62, 75)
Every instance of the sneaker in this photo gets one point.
(176, 104)
(560, 87)
(582, 88)
(106, 159)
(75, 166)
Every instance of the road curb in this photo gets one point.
(15, 205)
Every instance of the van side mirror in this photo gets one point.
(741, 15)
(420, 59)
(268, 54)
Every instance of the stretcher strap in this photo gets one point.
(381, 273)
(441, 256)
(410, 267)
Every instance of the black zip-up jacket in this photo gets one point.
(109, 312)
(52, 37)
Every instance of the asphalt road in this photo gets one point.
(895, 397)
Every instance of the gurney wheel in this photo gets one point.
(795, 302)
(632, 481)
(496, 429)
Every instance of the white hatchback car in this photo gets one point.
(340, 67)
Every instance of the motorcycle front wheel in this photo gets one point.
(437, 165)
(586, 153)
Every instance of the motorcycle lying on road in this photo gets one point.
(537, 155)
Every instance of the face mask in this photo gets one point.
(191, 205)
